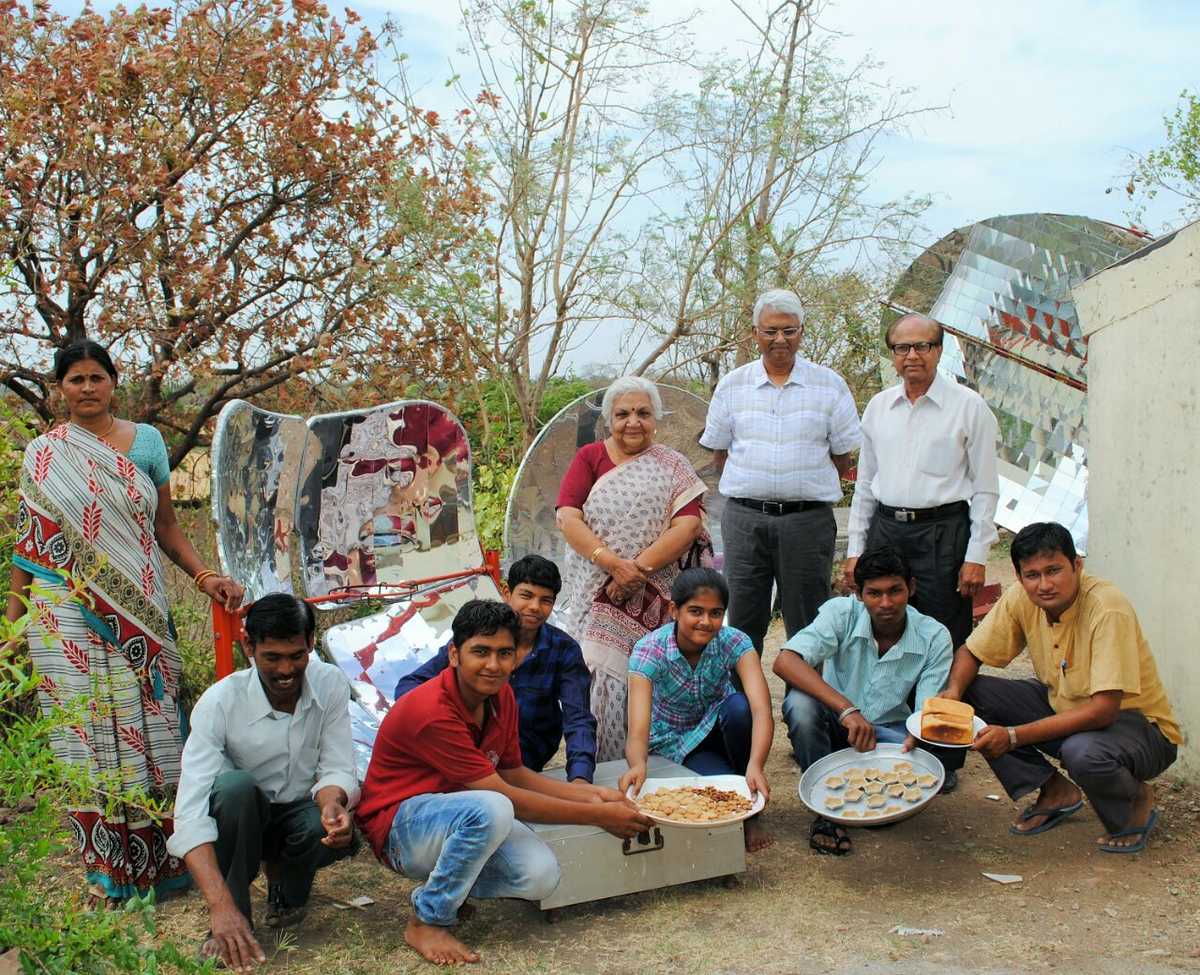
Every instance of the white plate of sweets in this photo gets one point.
(951, 716)
(884, 785)
(668, 816)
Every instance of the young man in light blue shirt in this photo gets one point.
(863, 666)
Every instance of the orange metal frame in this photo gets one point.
(227, 626)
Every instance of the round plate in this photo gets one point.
(913, 725)
(813, 791)
(730, 783)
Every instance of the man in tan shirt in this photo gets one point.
(1096, 704)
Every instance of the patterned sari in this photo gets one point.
(628, 508)
(103, 644)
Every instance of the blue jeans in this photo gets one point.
(726, 749)
(814, 732)
(464, 844)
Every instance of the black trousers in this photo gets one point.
(935, 549)
(251, 829)
(1108, 765)
(793, 552)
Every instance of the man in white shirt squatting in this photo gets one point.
(268, 778)
(927, 481)
(782, 430)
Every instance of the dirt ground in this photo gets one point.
(1076, 910)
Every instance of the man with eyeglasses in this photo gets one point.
(927, 482)
(782, 430)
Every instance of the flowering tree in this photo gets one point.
(220, 192)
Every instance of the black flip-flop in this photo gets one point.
(1142, 832)
(1054, 816)
(824, 827)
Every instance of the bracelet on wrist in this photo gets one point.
(203, 576)
(1012, 737)
(846, 712)
(596, 553)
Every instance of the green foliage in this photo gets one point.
(493, 417)
(492, 487)
(15, 432)
(497, 435)
(43, 917)
(1173, 168)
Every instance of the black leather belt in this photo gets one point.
(924, 514)
(779, 507)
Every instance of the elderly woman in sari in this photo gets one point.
(95, 509)
(630, 511)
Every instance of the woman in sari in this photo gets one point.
(95, 508)
(630, 511)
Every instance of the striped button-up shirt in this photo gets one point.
(779, 438)
(841, 644)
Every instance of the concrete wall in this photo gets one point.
(1142, 317)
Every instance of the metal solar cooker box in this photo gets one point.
(596, 864)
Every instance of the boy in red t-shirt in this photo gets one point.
(445, 789)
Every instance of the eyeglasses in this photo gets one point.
(771, 334)
(904, 348)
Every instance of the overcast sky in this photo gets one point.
(1046, 100)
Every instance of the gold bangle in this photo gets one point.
(200, 577)
(596, 552)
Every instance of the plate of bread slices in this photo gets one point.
(942, 721)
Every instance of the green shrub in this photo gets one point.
(44, 918)
(15, 432)
(492, 487)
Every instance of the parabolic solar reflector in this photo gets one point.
(1003, 286)
(256, 458)
(529, 526)
(385, 498)
(374, 498)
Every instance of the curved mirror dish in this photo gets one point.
(377, 650)
(1005, 285)
(529, 526)
(256, 458)
(385, 498)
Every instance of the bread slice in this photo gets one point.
(948, 722)
(946, 705)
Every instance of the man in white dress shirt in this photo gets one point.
(927, 482)
(782, 430)
(268, 777)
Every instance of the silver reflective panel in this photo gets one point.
(376, 651)
(378, 497)
(529, 526)
(1005, 285)
(255, 462)
(386, 498)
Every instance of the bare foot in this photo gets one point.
(1055, 794)
(437, 944)
(756, 837)
(1143, 806)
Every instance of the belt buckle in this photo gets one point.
(904, 514)
(768, 505)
